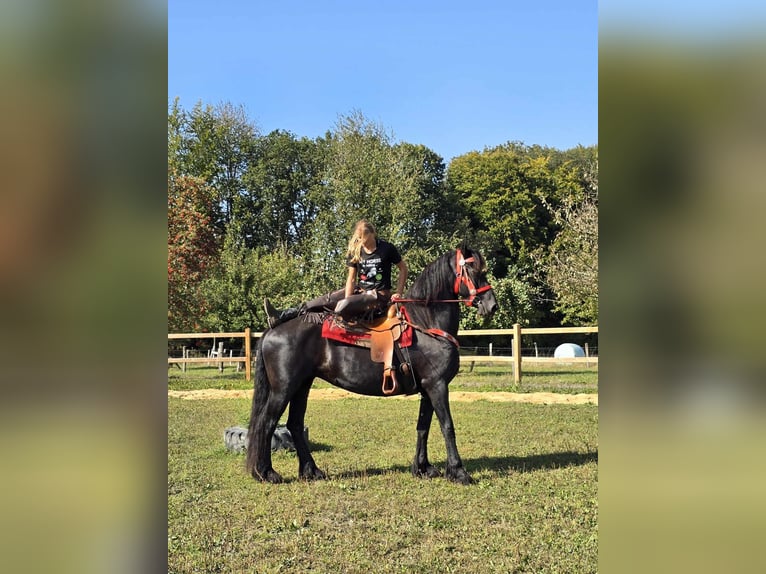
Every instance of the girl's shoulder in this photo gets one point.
(388, 248)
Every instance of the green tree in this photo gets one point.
(276, 205)
(216, 144)
(511, 195)
(243, 277)
(500, 190)
(291, 202)
(517, 303)
(570, 265)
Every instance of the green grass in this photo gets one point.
(535, 378)
(533, 508)
(199, 377)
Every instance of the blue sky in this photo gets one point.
(692, 19)
(455, 76)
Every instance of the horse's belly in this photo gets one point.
(360, 383)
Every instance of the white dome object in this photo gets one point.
(568, 350)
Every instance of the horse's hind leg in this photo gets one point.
(307, 468)
(421, 466)
(262, 429)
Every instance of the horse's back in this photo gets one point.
(291, 348)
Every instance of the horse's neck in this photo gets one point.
(446, 317)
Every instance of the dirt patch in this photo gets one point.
(330, 394)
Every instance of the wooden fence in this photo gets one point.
(515, 359)
(220, 359)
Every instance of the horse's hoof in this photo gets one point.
(270, 475)
(313, 474)
(428, 471)
(433, 472)
(459, 475)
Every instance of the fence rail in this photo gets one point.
(516, 359)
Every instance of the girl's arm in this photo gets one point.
(402, 281)
(350, 281)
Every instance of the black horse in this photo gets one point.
(292, 354)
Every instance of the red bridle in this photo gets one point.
(461, 277)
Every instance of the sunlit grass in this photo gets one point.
(533, 507)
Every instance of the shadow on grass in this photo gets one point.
(531, 463)
(500, 465)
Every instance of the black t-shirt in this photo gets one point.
(374, 269)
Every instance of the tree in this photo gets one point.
(502, 189)
(192, 249)
(216, 144)
(242, 278)
(276, 205)
(398, 187)
(511, 195)
(570, 266)
(283, 207)
(518, 303)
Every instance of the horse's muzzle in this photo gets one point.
(486, 307)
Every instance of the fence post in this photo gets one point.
(220, 356)
(247, 354)
(517, 353)
(184, 356)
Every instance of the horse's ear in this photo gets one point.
(464, 246)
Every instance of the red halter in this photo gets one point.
(461, 277)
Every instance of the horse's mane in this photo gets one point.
(435, 282)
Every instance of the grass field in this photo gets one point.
(536, 378)
(533, 508)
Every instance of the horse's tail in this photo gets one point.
(261, 392)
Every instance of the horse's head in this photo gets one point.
(471, 281)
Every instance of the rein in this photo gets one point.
(405, 320)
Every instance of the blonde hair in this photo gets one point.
(357, 239)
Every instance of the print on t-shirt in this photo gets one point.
(369, 273)
(374, 269)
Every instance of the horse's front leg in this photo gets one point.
(439, 395)
(307, 468)
(421, 466)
